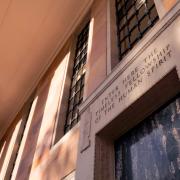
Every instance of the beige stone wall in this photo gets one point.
(40, 134)
(37, 141)
(10, 143)
(96, 65)
(109, 114)
(61, 160)
(168, 4)
(38, 157)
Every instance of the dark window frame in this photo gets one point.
(78, 79)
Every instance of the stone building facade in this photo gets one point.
(90, 90)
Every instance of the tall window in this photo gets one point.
(134, 18)
(78, 77)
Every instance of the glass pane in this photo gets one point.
(79, 71)
(75, 71)
(75, 112)
(81, 94)
(124, 45)
(153, 14)
(72, 92)
(71, 104)
(77, 98)
(123, 22)
(78, 85)
(73, 82)
(120, 3)
(69, 119)
(132, 23)
(82, 80)
(144, 24)
(140, 13)
(123, 33)
(134, 35)
(140, 3)
(129, 4)
(131, 12)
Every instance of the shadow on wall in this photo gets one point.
(39, 138)
(61, 161)
(56, 166)
(32, 137)
(42, 150)
(4, 148)
(56, 74)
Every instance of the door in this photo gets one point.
(151, 151)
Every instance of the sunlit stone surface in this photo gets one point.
(151, 151)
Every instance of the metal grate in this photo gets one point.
(134, 18)
(77, 84)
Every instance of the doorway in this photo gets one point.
(151, 150)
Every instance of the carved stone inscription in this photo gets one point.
(149, 65)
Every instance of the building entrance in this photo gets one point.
(151, 151)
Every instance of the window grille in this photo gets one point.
(78, 77)
(134, 18)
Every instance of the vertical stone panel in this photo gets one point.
(96, 65)
(40, 134)
(50, 114)
(11, 142)
(32, 136)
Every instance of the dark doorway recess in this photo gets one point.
(151, 150)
